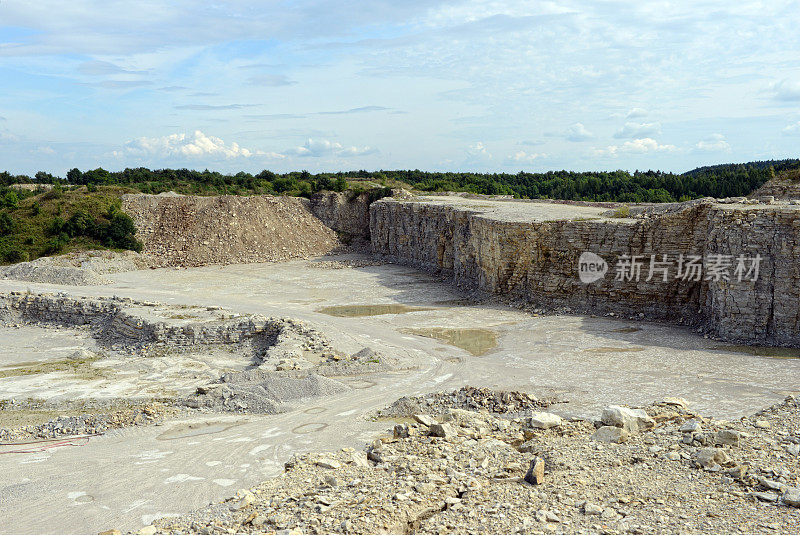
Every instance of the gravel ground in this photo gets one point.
(468, 398)
(94, 422)
(666, 470)
(75, 269)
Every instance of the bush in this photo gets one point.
(14, 255)
(55, 244)
(6, 224)
(80, 224)
(10, 199)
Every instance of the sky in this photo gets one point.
(327, 85)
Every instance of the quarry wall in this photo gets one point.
(531, 260)
(538, 262)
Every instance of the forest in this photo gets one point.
(82, 209)
(727, 180)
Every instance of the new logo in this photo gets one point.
(591, 267)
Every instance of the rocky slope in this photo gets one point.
(193, 231)
(663, 470)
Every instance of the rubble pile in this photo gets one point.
(470, 472)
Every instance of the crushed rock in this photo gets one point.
(469, 398)
(472, 481)
(261, 391)
(75, 269)
(90, 423)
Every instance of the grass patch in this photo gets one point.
(62, 220)
(622, 211)
(79, 368)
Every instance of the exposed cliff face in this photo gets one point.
(346, 213)
(537, 261)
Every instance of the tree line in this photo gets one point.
(727, 180)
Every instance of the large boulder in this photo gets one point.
(633, 421)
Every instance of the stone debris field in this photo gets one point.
(427, 365)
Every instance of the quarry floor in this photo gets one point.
(128, 477)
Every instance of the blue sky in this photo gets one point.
(435, 85)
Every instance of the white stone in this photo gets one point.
(610, 434)
(329, 463)
(545, 420)
(632, 420)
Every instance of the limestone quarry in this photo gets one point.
(409, 364)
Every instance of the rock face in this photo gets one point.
(537, 260)
(127, 323)
(346, 213)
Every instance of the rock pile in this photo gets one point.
(192, 231)
(264, 392)
(470, 472)
(469, 398)
(96, 422)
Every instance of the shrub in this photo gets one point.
(6, 224)
(14, 255)
(622, 211)
(10, 199)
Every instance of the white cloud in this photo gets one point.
(102, 68)
(271, 80)
(785, 90)
(47, 151)
(638, 130)
(714, 143)
(524, 157)
(578, 132)
(316, 148)
(8, 138)
(792, 130)
(479, 149)
(637, 146)
(636, 113)
(196, 145)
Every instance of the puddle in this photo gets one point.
(78, 367)
(758, 351)
(476, 341)
(195, 430)
(605, 349)
(356, 311)
(459, 302)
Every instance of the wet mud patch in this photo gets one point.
(78, 366)
(477, 341)
(196, 430)
(606, 349)
(358, 311)
(761, 351)
(312, 427)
